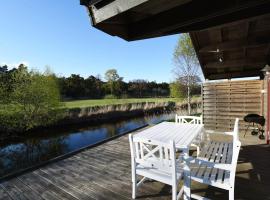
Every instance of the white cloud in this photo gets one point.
(14, 64)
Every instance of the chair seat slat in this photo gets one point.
(211, 159)
(214, 172)
(216, 164)
(208, 154)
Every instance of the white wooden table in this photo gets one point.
(182, 134)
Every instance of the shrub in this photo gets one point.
(124, 96)
(29, 100)
(176, 90)
(110, 96)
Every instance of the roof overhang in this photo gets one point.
(140, 19)
(234, 50)
(231, 37)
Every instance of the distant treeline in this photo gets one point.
(76, 86)
(114, 86)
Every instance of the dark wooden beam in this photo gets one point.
(246, 36)
(116, 7)
(197, 15)
(221, 55)
(230, 75)
(235, 63)
(89, 2)
(268, 55)
(236, 44)
(240, 21)
(196, 46)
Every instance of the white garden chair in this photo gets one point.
(191, 120)
(188, 119)
(216, 164)
(156, 161)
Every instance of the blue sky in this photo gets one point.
(58, 33)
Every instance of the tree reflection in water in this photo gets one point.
(31, 152)
(49, 144)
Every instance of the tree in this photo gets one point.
(176, 90)
(93, 87)
(3, 69)
(138, 87)
(186, 64)
(75, 86)
(113, 79)
(33, 100)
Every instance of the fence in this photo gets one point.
(225, 100)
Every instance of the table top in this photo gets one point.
(181, 134)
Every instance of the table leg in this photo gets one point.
(186, 176)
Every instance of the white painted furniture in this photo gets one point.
(216, 164)
(154, 160)
(190, 120)
(182, 135)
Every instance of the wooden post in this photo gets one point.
(268, 110)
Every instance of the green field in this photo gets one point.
(101, 102)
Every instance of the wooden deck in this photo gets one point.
(103, 172)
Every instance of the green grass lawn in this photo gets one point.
(101, 102)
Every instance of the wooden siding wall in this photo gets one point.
(225, 100)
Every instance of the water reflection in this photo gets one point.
(43, 146)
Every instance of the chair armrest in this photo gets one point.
(191, 160)
(229, 133)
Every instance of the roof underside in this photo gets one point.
(239, 49)
(235, 32)
(140, 19)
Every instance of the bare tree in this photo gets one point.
(186, 64)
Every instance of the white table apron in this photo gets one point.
(183, 136)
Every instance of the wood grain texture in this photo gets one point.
(102, 172)
(224, 101)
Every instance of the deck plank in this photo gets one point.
(79, 194)
(103, 172)
(28, 192)
(3, 194)
(13, 191)
(44, 186)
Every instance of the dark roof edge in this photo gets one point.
(88, 2)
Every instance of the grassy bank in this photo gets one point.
(102, 102)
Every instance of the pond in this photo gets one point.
(45, 145)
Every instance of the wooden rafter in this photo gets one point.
(229, 75)
(235, 63)
(245, 48)
(153, 18)
(236, 44)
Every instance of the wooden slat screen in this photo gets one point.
(226, 100)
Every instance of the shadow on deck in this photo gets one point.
(103, 172)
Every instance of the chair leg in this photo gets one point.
(174, 192)
(134, 190)
(134, 186)
(198, 151)
(231, 194)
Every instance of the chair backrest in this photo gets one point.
(153, 154)
(188, 119)
(236, 150)
(236, 129)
